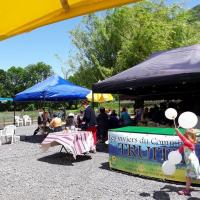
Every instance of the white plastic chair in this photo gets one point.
(1, 136)
(18, 120)
(8, 131)
(27, 120)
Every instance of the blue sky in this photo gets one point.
(41, 45)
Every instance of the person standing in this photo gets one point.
(89, 120)
(192, 162)
(102, 125)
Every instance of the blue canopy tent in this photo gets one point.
(53, 88)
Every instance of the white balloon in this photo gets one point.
(170, 113)
(187, 120)
(174, 157)
(168, 168)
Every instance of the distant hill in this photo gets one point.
(195, 13)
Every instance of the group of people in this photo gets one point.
(99, 125)
(55, 123)
(87, 120)
(156, 114)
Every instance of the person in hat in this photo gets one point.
(56, 123)
(189, 140)
(89, 119)
(70, 121)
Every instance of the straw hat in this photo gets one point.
(71, 115)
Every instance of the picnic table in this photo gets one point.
(74, 142)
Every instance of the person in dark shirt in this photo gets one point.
(102, 125)
(113, 121)
(89, 120)
(89, 115)
(79, 119)
(39, 121)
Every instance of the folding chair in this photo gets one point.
(18, 120)
(8, 131)
(27, 120)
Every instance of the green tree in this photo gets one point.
(195, 14)
(15, 80)
(36, 73)
(126, 36)
(19, 79)
(2, 83)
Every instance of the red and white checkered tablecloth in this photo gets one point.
(75, 142)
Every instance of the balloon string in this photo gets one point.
(174, 123)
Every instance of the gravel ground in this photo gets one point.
(27, 173)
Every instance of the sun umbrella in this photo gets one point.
(21, 16)
(99, 97)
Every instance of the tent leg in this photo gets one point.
(14, 110)
(93, 100)
(119, 105)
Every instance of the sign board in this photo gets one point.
(144, 154)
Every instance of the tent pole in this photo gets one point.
(14, 110)
(119, 105)
(92, 99)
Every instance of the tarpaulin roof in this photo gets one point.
(53, 88)
(19, 16)
(175, 72)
